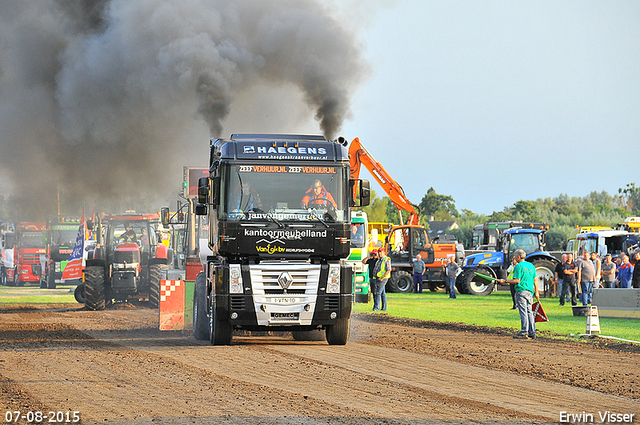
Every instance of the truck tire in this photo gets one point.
(338, 334)
(200, 322)
(79, 294)
(400, 281)
(95, 288)
(474, 285)
(545, 270)
(154, 285)
(317, 335)
(220, 331)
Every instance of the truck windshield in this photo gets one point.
(64, 237)
(31, 239)
(284, 193)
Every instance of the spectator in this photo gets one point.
(608, 272)
(371, 263)
(452, 270)
(570, 270)
(418, 271)
(635, 280)
(586, 276)
(597, 265)
(525, 279)
(559, 275)
(382, 272)
(625, 272)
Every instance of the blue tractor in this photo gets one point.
(495, 263)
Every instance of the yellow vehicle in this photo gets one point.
(630, 224)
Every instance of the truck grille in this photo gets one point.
(305, 278)
(126, 256)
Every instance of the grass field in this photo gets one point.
(495, 311)
(63, 294)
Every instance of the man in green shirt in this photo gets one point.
(526, 286)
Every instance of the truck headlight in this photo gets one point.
(333, 286)
(235, 279)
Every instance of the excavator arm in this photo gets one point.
(359, 156)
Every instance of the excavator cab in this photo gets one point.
(405, 242)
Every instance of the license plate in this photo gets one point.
(285, 316)
(287, 300)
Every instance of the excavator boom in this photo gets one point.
(359, 156)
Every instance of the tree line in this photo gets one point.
(562, 213)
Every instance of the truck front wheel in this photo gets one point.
(79, 295)
(220, 331)
(338, 334)
(94, 288)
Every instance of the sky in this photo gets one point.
(492, 102)
(489, 102)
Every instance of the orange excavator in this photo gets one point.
(405, 241)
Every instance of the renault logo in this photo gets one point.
(285, 280)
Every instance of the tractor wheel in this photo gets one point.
(79, 294)
(545, 270)
(200, 322)
(154, 285)
(338, 334)
(316, 335)
(474, 285)
(461, 288)
(95, 288)
(220, 331)
(400, 281)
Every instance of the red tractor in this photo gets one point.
(126, 262)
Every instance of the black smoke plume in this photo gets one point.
(99, 100)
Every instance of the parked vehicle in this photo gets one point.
(28, 253)
(405, 241)
(495, 263)
(60, 239)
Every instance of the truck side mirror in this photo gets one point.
(90, 224)
(203, 190)
(201, 209)
(164, 216)
(360, 193)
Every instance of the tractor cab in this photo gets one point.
(529, 240)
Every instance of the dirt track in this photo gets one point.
(115, 367)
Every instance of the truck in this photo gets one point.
(28, 253)
(494, 264)
(59, 239)
(359, 250)
(630, 224)
(126, 262)
(485, 236)
(6, 253)
(279, 209)
(603, 241)
(404, 241)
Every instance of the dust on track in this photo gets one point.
(116, 367)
